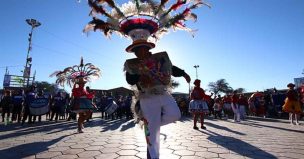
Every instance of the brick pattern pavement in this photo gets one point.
(120, 139)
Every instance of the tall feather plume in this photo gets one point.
(54, 73)
(96, 24)
(112, 4)
(178, 4)
(152, 4)
(98, 8)
(199, 3)
(161, 5)
(88, 71)
(137, 5)
(174, 20)
(81, 62)
(175, 6)
(188, 15)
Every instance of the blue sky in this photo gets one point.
(253, 44)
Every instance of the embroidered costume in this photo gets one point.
(145, 21)
(198, 103)
(292, 104)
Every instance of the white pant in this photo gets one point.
(158, 110)
(242, 112)
(236, 111)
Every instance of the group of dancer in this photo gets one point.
(148, 74)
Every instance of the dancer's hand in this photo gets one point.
(187, 77)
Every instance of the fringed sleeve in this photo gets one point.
(177, 72)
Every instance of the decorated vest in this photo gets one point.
(155, 71)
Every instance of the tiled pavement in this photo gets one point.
(105, 139)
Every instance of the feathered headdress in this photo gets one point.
(70, 75)
(149, 18)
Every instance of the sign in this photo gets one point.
(7, 80)
(299, 81)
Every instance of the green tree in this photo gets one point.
(45, 86)
(220, 86)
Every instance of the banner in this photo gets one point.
(39, 106)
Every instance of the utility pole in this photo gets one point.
(6, 70)
(27, 70)
(196, 66)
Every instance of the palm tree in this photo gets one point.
(240, 90)
(220, 86)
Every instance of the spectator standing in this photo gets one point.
(103, 105)
(57, 103)
(217, 107)
(91, 95)
(243, 104)
(40, 94)
(128, 102)
(227, 103)
(235, 107)
(6, 104)
(277, 100)
(18, 99)
(29, 98)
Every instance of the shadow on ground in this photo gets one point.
(238, 146)
(29, 149)
(45, 126)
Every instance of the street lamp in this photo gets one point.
(196, 66)
(27, 70)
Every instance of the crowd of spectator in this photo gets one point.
(262, 104)
(15, 105)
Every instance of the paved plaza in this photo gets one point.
(108, 139)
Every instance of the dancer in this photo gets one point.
(79, 76)
(235, 107)
(6, 104)
(198, 106)
(243, 105)
(292, 104)
(227, 100)
(150, 74)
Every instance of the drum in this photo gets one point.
(111, 108)
(39, 106)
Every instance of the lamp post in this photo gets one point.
(196, 66)
(27, 70)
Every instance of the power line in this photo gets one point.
(52, 50)
(75, 44)
(62, 53)
(12, 66)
